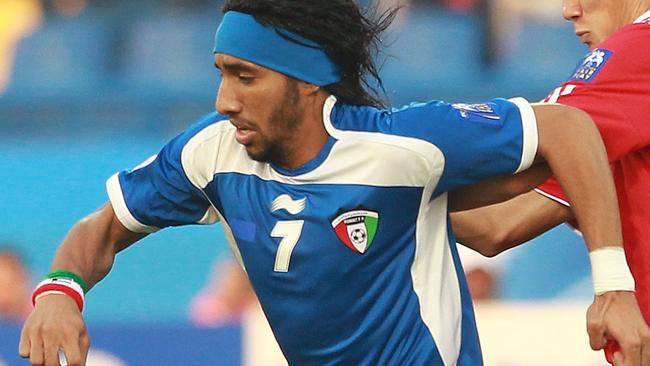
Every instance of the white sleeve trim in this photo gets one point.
(554, 198)
(644, 17)
(122, 212)
(529, 131)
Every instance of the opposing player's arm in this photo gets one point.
(493, 229)
(572, 147)
(497, 189)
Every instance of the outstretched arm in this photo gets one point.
(56, 323)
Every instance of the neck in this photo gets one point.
(636, 9)
(310, 137)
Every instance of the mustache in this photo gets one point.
(242, 123)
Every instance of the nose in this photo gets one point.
(571, 10)
(227, 102)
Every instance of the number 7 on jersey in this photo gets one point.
(290, 232)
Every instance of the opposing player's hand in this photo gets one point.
(55, 324)
(616, 316)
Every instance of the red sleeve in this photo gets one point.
(551, 189)
(614, 88)
(617, 94)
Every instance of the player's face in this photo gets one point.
(595, 20)
(264, 106)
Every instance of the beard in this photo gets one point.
(284, 122)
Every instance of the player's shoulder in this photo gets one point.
(203, 130)
(437, 118)
(383, 124)
(355, 118)
(422, 126)
(625, 52)
(631, 39)
(416, 115)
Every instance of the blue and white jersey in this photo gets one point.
(351, 255)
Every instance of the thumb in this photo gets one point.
(597, 341)
(596, 331)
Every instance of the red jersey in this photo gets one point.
(612, 84)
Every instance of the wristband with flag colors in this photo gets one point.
(64, 286)
(70, 275)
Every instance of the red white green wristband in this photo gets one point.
(609, 270)
(70, 275)
(60, 285)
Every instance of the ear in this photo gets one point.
(308, 88)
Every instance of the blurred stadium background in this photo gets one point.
(90, 87)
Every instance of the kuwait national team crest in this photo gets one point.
(356, 228)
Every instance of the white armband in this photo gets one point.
(609, 270)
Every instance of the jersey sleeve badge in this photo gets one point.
(477, 113)
(356, 228)
(591, 65)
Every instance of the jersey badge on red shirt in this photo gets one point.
(591, 65)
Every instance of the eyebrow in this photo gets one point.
(235, 66)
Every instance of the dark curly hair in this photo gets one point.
(350, 38)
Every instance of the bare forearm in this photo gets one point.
(497, 189)
(90, 247)
(583, 172)
(492, 229)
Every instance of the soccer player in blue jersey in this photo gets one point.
(335, 206)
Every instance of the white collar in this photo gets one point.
(644, 17)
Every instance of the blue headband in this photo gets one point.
(241, 36)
